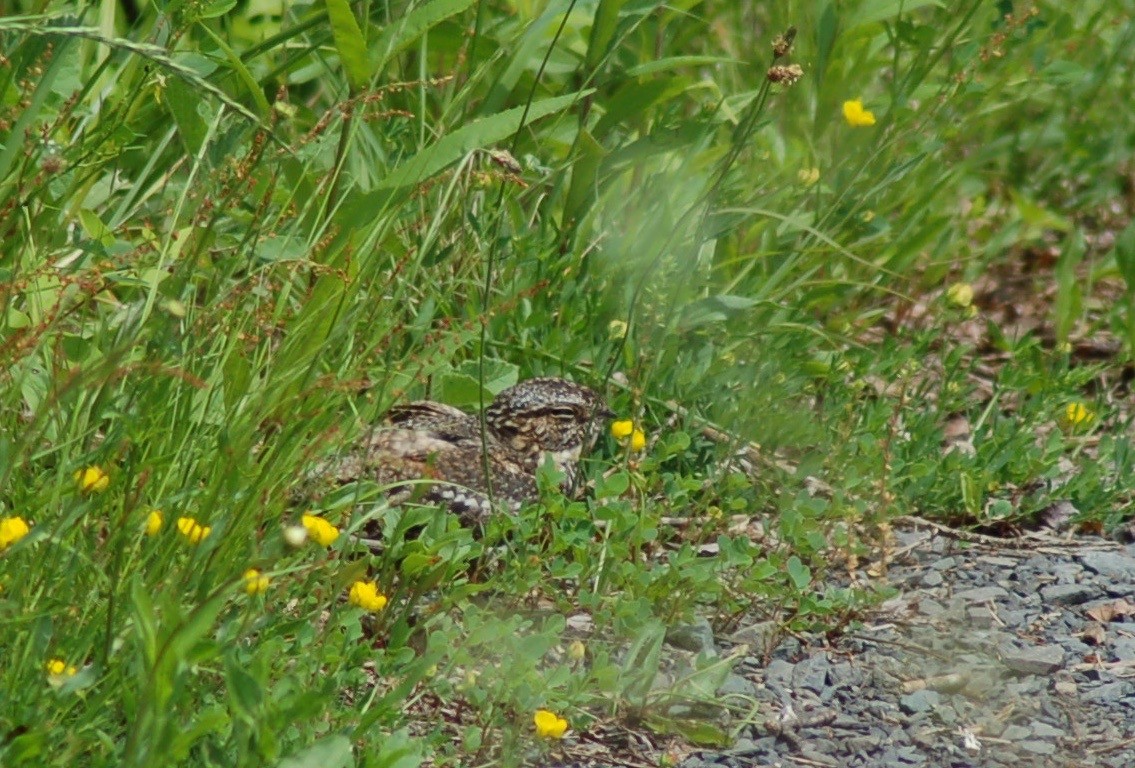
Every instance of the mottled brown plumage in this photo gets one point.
(437, 453)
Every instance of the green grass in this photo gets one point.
(233, 234)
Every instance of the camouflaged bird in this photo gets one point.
(438, 454)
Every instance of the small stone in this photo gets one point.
(813, 754)
(1112, 564)
(1033, 660)
(1000, 562)
(1108, 693)
(932, 579)
(1016, 733)
(979, 617)
(759, 636)
(920, 701)
(1067, 594)
(696, 638)
(928, 607)
(982, 594)
(735, 685)
(812, 673)
(945, 564)
(1123, 648)
(1045, 731)
(1037, 747)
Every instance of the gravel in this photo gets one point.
(988, 658)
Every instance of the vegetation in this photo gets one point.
(236, 232)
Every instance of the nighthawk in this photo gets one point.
(439, 454)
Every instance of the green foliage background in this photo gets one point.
(233, 232)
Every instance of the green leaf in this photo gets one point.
(715, 309)
(1124, 253)
(245, 694)
(181, 101)
(584, 187)
(402, 33)
(477, 135)
(350, 44)
(700, 733)
(603, 28)
(800, 574)
(329, 752)
(615, 485)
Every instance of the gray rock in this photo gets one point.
(1037, 747)
(932, 579)
(1045, 731)
(1016, 733)
(735, 685)
(1108, 693)
(812, 673)
(920, 701)
(1068, 594)
(1123, 648)
(1111, 564)
(982, 594)
(696, 638)
(1033, 660)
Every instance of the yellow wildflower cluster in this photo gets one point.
(255, 583)
(92, 479)
(1076, 415)
(625, 428)
(549, 725)
(320, 530)
(365, 595)
(856, 116)
(154, 522)
(60, 668)
(192, 530)
(12, 529)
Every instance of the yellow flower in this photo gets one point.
(365, 595)
(154, 522)
(60, 668)
(808, 176)
(549, 725)
(622, 429)
(577, 650)
(855, 115)
(319, 529)
(638, 440)
(1077, 415)
(192, 530)
(12, 529)
(960, 295)
(92, 479)
(254, 582)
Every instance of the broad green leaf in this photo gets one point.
(800, 574)
(1124, 253)
(447, 150)
(245, 694)
(634, 99)
(880, 10)
(350, 44)
(603, 28)
(584, 189)
(329, 752)
(701, 733)
(181, 101)
(715, 309)
(254, 89)
(402, 33)
(676, 62)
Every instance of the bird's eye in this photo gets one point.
(563, 412)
